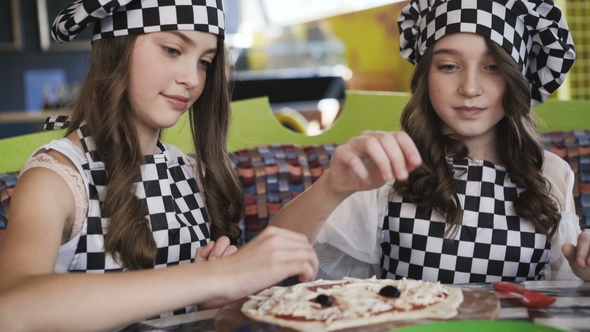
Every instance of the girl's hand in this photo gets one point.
(370, 160)
(214, 250)
(579, 255)
(272, 256)
(211, 252)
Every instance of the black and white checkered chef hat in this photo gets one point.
(114, 18)
(533, 32)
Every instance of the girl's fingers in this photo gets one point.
(296, 262)
(220, 246)
(583, 249)
(394, 154)
(274, 255)
(401, 151)
(356, 165)
(373, 147)
(308, 274)
(408, 147)
(230, 251)
(202, 253)
(358, 155)
(396, 157)
(281, 245)
(578, 255)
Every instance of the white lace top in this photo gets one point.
(77, 183)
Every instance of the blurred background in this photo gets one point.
(302, 54)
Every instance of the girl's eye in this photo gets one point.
(171, 51)
(494, 68)
(447, 68)
(205, 64)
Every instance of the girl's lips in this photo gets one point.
(469, 112)
(178, 102)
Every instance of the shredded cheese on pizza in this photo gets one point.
(351, 297)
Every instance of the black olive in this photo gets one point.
(389, 291)
(324, 300)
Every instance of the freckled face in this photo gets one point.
(167, 75)
(466, 87)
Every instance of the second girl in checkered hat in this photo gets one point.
(110, 197)
(466, 193)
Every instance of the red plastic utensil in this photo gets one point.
(529, 298)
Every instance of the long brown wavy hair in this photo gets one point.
(431, 186)
(104, 104)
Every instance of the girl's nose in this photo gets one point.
(470, 84)
(189, 77)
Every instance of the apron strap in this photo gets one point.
(56, 122)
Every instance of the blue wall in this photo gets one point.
(31, 57)
(13, 66)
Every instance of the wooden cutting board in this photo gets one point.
(477, 304)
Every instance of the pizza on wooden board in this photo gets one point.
(328, 305)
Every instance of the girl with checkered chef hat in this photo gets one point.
(466, 192)
(111, 197)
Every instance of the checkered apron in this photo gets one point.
(174, 207)
(492, 243)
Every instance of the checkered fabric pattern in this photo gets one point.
(272, 175)
(126, 17)
(56, 122)
(574, 147)
(174, 207)
(492, 243)
(533, 32)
